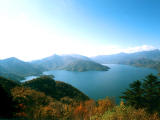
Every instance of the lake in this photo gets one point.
(99, 84)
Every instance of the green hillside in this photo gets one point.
(84, 65)
(55, 89)
(69, 62)
(16, 69)
(41, 98)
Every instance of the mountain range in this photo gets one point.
(16, 69)
(149, 59)
(69, 62)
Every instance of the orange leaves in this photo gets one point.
(121, 103)
(22, 106)
(104, 105)
(49, 112)
(89, 108)
(84, 110)
(81, 109)
(80, 112)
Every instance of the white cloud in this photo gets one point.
(139, 48)
(112, 49)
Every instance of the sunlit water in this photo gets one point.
(99, 84)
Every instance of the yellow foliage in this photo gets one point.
(36, 105)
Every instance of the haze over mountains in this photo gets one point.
(150, 59)
(16, 69)
(70, 63)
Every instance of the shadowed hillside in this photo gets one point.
(46, 99)
(55, 89)
(69, 62)
(16, 69)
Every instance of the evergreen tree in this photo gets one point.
(145, 94)
(151, 87)
(134, 95)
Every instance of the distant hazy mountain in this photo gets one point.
(143, 62)
(150, 59)
(16, 69)
(76, 56)
(71, 62)
(116, 58)
(110, 59)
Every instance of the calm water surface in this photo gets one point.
(99, 84)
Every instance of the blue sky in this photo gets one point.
(32, 29)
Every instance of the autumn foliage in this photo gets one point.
(33, 103)
(89, 108)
